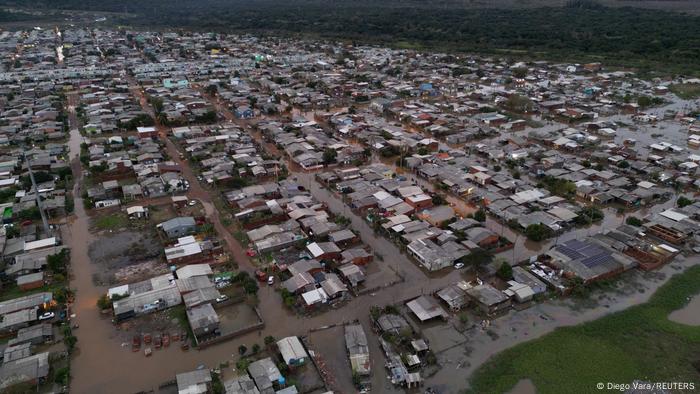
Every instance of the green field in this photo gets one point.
(638, 343)
(112, 221)
(686, 91)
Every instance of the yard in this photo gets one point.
(639, 343)
(113, 221)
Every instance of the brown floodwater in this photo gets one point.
(524, 386)
(689, 314)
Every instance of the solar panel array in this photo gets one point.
(588, 253)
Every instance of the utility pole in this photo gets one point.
(38, 199)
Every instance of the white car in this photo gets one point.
(270, 280)
(222, 298)
(47, 315)
(192, 203)
(459, 266)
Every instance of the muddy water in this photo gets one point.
(541, 319)
(524, 386)
(689, 314)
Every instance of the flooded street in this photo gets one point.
(104, 362)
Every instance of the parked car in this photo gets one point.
(459, 266)
(223, 284)
(261, 275)
(222, 298)
(47, 316)
(192, 203)
(270, 280)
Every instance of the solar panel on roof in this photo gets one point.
(596, 260)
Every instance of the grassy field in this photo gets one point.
(686, 91)
(112, 221)
(639, 343)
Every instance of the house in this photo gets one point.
(482, 236)
(426, 309)
(26, 302)
(357, 256)
(13, 321)
(178, 227)
(241, 385)
(203, 320)
(352, 274)
(333, 286)
(358, 349)
(194, 382)
(137, 212)
(188, 250)
(488, 299)
(324, 250)
(146, 132)
(265, 374)
(453, 296)
(193, 270)
(36, 335)
(437, 215)
(292, 351)
(433, 256)
(588, 260)
(343, 238)
(33, 370)
(30, 281)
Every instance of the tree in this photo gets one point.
(256, 348)
(623, 164)
(480, 215)
(438, 199)
(633, 221)
(211, 90)
(104, 302)
(519, 103)
(57, 262)
(505, 271)
(62, 376)
(537, 232)
(329, 156)
(684, 201)
(70, 341)
(242, 350)
(269, 340)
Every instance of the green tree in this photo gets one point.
(242, 350)
(104, 302)
(505, 271)
(329, 156)
(480, 215)
(633, 221)
(538, 232)
(684, 201)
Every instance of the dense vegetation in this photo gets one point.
(637, 343)
(580, 30)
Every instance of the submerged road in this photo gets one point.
(102, 364)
